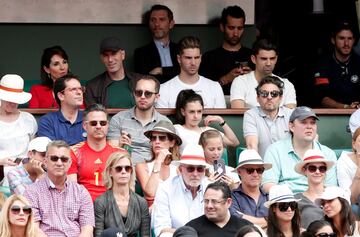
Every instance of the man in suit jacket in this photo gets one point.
(158, 58)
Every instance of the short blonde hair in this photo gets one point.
(111, 161)
(5, 230)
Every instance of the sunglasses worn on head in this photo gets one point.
(326, 235)
(63, 159)
(273, 94)
(16, 210)
(191, 169)
(313, 168)
(120, 168)
(148, 94)
(284, 206)
(94, 123)
(252, 170)
(161, 138)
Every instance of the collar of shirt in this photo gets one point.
(50, 183)
(185, 189)
(62, 119)
(279, 114)
(154, 117)
(158, 44)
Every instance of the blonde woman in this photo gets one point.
(119, 206)
(17, 219)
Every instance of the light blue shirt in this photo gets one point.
(164, 52)
(283, 159)
(174, 205)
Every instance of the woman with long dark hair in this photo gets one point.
(319, 228)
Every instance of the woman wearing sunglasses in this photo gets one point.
(165, 148)
(189, 111)
(17, 220)
(319, 228)
(213, 145)
(119, 206)
(284, 217)
(335, 203)
(314, 167)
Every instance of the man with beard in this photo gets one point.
(127, 127)
(267, 123)
(286, 153)
(225, 63)
(337, 78)
(111, 88)
(243, 93)
(189, 58)
(158, 58)
(89, 157)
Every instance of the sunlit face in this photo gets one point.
(57, 168)
(191, 179)
(215, 205)
(121, 177)
(160, 24)
(193, 113)
(189, 61)
(9, 107)
(285, 216)
(332, 207)
(233, 30)
(213, 149)
(316, 177)
(157, 144)
(344, 42)
(269, 104)
(252, 180)
(113, 61)
(58, 67)
(72, 95)
(98, 131)
(304, 130)
(325, 230)
(20, 219)
(265, 61)
(143, 103)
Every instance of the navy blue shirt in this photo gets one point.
(245, 204)
(56, 127)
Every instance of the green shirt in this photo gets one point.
(119, 94)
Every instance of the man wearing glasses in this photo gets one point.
(89, 157)
(267, 123)
(127, 127)
(180, 199)
(66, 123)
(61, 207)
(242, 91)
(217, 220)
(248, 198)
(288, 152)
(112, 88)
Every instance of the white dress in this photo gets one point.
(346, 170)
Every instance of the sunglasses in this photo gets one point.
(312, 168)
(94, 123)
(64, 159)
(284, 206)
(161, 138)
(16, 210)
(252, 170)
(326, 235)
(191, 169)
(120, 168)
(147, 94)
(273, 94)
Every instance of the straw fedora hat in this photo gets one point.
(12, 89)
(193, 154)
(251, 157)
(312, 156)
(166, 127)
(280, 193)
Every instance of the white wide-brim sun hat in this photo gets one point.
(12, 89)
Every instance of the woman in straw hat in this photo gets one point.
(17, 127)
(284, 216)
(335, 203)
(165, 148)
(314, 167)
(189, 111)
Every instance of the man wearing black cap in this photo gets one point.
(286, 153)
(113, 87)
(337, 78)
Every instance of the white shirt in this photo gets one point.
(346, 170)
(354, 121)
(174, 205)
(243, 88)
(210, 91)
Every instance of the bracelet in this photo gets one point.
(223, 123)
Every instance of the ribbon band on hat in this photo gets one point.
(313, 157)
(248, 161)
(283, 197)
(191, 157)
(11, 89)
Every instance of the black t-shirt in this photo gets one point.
(206, 228)
(218, 62)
